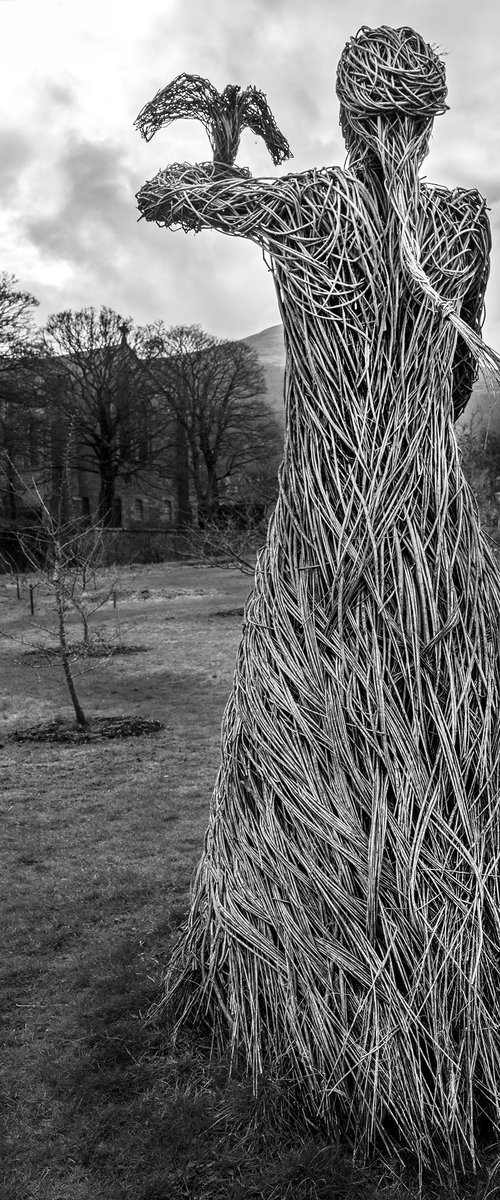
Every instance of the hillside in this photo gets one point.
(270, 348)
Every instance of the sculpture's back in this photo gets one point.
(345, 918)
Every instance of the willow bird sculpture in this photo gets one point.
(224, 114)
(345, 917)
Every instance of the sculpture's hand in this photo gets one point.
(189, 195)
(212, 195)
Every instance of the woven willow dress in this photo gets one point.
(345, 916)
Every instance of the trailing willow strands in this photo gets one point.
(396, 137)
(345, 917)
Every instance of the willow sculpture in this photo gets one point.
(345, 921)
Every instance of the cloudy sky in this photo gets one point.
(73, 77)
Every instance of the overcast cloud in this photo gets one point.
(73, 78)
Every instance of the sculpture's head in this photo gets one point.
(390, 84)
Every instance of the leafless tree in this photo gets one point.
(216, 391)
(20, 412)
(96, 381)
(63, 554)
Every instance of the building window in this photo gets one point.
(167, 510)
(138, 510)
(85, 506)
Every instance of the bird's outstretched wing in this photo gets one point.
(186, 96)
(256, 115)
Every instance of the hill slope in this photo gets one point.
(270, 348)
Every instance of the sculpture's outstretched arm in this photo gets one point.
(465, 366)
(216, 196)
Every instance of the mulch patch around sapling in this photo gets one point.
(99, 729)
(50, 654)
(229, 612)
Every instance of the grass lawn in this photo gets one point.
(99, 842)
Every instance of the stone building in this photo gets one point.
(50, 448)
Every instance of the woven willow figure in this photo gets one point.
(345, 923)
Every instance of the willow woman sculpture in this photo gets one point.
(345, 920)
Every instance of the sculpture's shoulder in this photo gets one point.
(455, 237)
(322, 190)
(466, 207)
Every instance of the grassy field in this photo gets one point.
(98, 846)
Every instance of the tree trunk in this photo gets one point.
(200, 495)
(11, 490)
(106, 499)
(81, 719)
(60, 503)
(212, 492)
(184, 515)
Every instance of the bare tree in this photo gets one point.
(17, 332)
(216, 391)
(20, 406)
(63, 554)
(232, 541)
(97, 382)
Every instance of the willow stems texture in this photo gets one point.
(345, 919)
